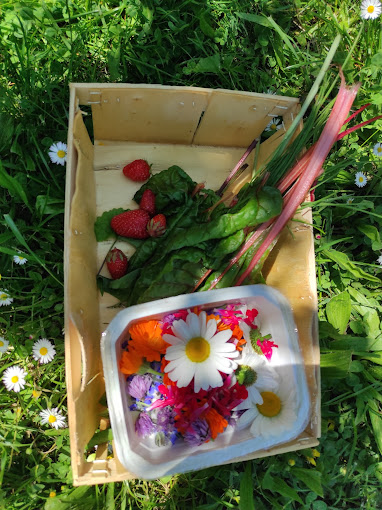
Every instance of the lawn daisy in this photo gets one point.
(57, 153)
(274, 416)
(5, 298)
(197, 352)
(254, 373)
(14, 378)
(274, 125)
(379, 260)
(20, 260)
(3, 344)
(370, 9)
(43, 350)
(53, 417)
(360, 179)
(377, 149)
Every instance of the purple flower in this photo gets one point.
(144, 426)
(166, 419)
(139, 386)
(198, 433)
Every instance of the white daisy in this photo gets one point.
(350, 200)
(53, 417)
(360, 179)
(58, 152)
(43, 350)
(198, 352)
(379, 260)
(370, 9)
(274, 416)
(274, 125)
(14, 378)
(3, 344)
(254, 373)
(5, 298)
(377, 149)
(19, 259)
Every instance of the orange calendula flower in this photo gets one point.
(130, 362)
(216, 422)
(146, 339)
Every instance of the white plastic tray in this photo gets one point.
(147, 461)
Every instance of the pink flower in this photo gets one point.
(266, 347)
(229, 315)
(250, 316)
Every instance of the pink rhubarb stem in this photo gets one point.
(337, 117)
(354, 128)
(236, 168)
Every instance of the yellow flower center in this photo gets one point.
(52, 419)
(198, 349)
(1, 343)
(15, 379)
(3, 296)
(52, 494)
(274, 127)
(370, 9)
(379, 149)
(61, 154)
(360, 178)
(43, 351)
(271, 405)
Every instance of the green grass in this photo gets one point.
(244, 45)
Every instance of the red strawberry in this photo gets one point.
(147, 202)
(131, 224)
(156, 227)
(116, 262)
(138, 170)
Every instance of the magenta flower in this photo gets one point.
(250, 316)
(266, 347)
(229, 315)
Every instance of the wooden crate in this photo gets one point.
(205, 132)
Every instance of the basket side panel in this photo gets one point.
(154, 115)
(234, 119)
(84, 380)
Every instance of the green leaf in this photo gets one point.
(372, 323)
(375, 357)
(12, 185)
(338, 311)
(104, 436)
(335, 365)
(255, 18)
(276, 484)
(376, 423)
(246, 489)
(310, 477)
(210, 64)
(102, 228)
(345, 263)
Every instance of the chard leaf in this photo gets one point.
(171, 187)
(102, 228)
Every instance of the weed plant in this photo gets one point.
(259, 46)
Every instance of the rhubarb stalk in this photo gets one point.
(337, 117)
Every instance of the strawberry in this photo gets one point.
(131, 224)
(138, 170)
(147, 202)
(116, 262)
(156, 227)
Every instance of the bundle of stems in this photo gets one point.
(292, 174)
